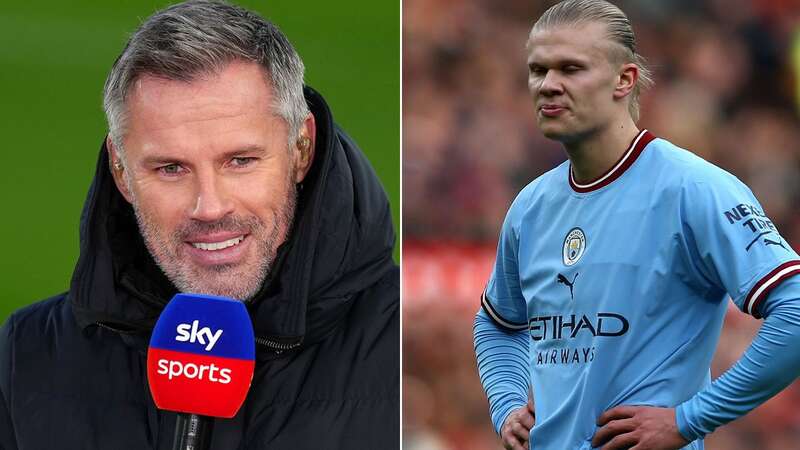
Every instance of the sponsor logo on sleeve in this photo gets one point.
(754, 222)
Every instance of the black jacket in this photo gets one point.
(72, 368)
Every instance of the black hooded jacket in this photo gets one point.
(72, 368)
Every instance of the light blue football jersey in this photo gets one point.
(622, 283)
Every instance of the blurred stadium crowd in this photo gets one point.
(726, 88)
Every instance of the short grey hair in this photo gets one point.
(620, 31)
(198, 37)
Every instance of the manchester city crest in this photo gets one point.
(574, 246)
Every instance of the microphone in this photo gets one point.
(200, 363)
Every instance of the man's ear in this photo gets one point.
(626, 80)
(117, 169)
(304, 148)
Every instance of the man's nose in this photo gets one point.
(213, 201)
(551, 84)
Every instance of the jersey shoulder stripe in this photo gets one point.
(768, 282)
(498, 319)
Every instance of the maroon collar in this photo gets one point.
(628, 158)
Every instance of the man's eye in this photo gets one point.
(571, 69)
(170, 169)
(537, 70)
(242, 161)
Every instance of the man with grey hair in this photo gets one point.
(613, 270)
(221, 174)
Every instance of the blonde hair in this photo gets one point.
(620, 32)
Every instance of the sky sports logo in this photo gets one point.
(201, 356)
(192, 333)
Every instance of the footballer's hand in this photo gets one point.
(638, 428)
(517, 428)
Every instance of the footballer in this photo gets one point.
(614, 269)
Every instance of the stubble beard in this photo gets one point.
(239, 281)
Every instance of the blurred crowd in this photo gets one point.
(726, 88)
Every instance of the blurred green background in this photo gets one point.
(54, 58)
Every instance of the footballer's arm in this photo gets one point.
(770, 364)
(503, 366)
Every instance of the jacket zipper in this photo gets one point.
(116, 330)
(279, 347)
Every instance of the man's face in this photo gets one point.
(211, 177)
(572, 80)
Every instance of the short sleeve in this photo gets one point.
(502, 299)
(734, 245)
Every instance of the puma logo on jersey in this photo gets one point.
(767, 241)
(771, 242)
(570, 284)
